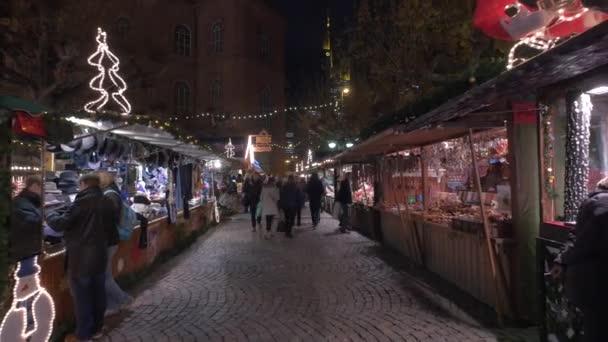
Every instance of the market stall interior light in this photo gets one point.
(217, 164)
(601, 90)
(332, 145)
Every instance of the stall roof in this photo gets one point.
(574, 57)
(151, 136)
(16, 103)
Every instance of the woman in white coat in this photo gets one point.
(269, 201)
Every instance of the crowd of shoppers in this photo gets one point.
(282, 201)
(90, 230)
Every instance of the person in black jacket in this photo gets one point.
(25, 236)
(315, 191)
(585, 262)
(116, 298)
(289, 199)
(253, 189)
(345, 198)
(87, 225)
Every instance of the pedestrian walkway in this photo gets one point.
(233, 285)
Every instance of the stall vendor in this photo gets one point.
(26, 221)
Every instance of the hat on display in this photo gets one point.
(70, 190)
(75, 144)
(60, 148)
(88, 144)
(51, 188)
(94, 162)
(69, 176)
(81, 160)
(50, 176)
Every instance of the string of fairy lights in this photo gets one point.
(269, 114)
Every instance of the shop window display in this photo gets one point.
(449, 178)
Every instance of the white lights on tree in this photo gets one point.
(229, 149)
(28, 290)
(98, 82)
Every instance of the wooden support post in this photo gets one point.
(424, 175)
(410, 226)
(494, 263)
(396, 199)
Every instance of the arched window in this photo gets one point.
(266, 100)
(122, 26)
(217, 37)
(182, 99)
(216, 95)
(182, 40)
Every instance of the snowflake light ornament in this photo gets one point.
(97, 83)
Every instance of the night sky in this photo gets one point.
(305, 28)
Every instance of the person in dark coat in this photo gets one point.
(253, 190)
(585, 262)
(25, 235)
(87, 225)
(315, 191)
(301, 200)
(345, 198)
(290, 200)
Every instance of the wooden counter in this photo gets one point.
(458, 257)
(129, 258)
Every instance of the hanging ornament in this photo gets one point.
(97, 83)
(577, 153)
(229, 149)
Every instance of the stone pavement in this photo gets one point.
(233, 285)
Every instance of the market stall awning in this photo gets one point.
(395, 139)
(18, 104)
(573, 58)
(149, 135)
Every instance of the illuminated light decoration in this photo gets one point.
(216, 211)
(309, 158)
(578, 134)
(601, 90)
(349, 145)
(538, 28)
(229, 149)
(97, 82)
(249, 153)
(15, 323)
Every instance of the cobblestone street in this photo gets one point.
(233, 285)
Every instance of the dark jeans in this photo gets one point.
(299, 216)
(253, 209)
(344, 216)
(89, 296)
(315, 213)
(290, 218)
(269, 219)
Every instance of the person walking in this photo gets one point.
(253, 190)
(315, 191)
(116, 298)
(584, 264)
(345, 198)
(87, 224)
(301, 200)
(270, 201)
(289, 203)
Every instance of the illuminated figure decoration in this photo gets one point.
(229, 149)
(309, 158)
(97, 82)
(32, 312)
(537, 26)
(249, 152)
